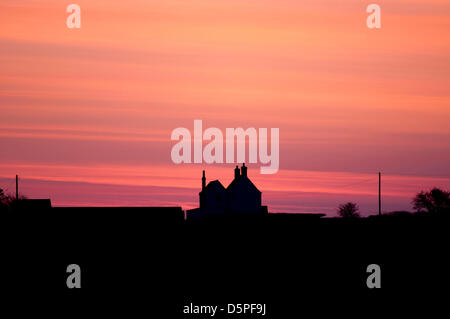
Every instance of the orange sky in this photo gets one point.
(97, 105)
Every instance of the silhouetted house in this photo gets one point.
(240, 197)
(213, 197)
(242, 194)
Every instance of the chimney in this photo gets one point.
(203, 181)
(244, 170)
(237, 172)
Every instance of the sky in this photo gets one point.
(86, 114)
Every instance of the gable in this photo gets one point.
(214, 187)
(242, 184)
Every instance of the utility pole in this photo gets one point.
(17, 187)
(379, 193)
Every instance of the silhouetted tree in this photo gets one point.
(4, 201)
(7, 201)
(2, 196)
(434, 201)
(348, 210)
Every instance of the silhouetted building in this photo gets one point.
(242, 194)
(213, 196)
(240, 197)
(123, 215)
(33, 205)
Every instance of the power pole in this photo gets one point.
(379, 193)
(17, 187)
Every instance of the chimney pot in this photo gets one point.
(203, 181)
(237, 172)
(244, 170)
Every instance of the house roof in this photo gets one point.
(214, 185)
(242, 180)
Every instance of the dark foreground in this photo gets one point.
(151, 265)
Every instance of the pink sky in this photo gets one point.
(86, 115)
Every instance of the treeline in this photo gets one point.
(436, 202)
